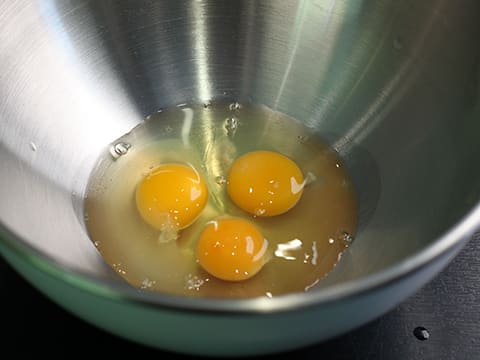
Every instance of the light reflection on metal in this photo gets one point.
(393, 90)
(200, 42)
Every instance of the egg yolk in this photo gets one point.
(265, 183)
(171, 193)
(231, 249)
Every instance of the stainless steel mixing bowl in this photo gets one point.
(393, 86)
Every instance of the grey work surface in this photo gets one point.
(448, 307)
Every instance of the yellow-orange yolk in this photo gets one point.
(265, 183)
(231, 249)
(171, 194)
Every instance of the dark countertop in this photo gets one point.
(448, 308)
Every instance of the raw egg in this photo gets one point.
(231, 249)
(149, 214)
(171, 194)
(265, 183)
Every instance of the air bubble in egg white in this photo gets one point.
(147, 284)
(193, 282)
(260, 212)
(119, 149)
(221, 180)
(302, 139)
(234, 106)
(231, 125)
(118, 268)
(347, 238)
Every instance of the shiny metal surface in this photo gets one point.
(393, 86)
